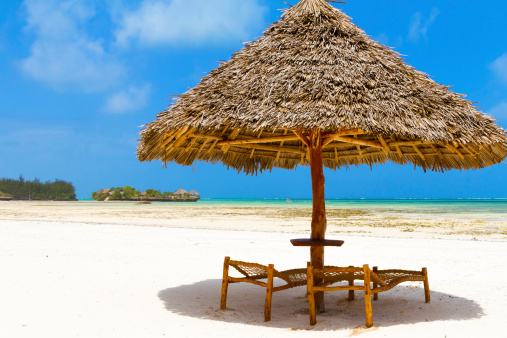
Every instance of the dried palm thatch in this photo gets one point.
(315, 70)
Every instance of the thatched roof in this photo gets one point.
(315, 69)
(180, 192)
(193, 192)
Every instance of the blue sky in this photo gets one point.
(78, 78)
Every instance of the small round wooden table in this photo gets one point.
(312, 242)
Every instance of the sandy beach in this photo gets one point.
(126, 270)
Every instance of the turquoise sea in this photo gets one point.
(496, 208)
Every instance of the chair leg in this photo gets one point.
(426, 285)
(225, 284)
(269, 294)
(311, 296)
(351, 283)
(351, 292)
(375, 295)
(367, 297)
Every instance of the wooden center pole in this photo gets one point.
(319, 221)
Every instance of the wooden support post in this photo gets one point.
(367, 297)
(223, 297)
(269, 293)
(319, 222)
(311, 298)
(351, 283)
(426, 285)
(375, 296)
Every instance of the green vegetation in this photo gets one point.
(153, 193)
(5, 196)
(129, 193)
(21, 189)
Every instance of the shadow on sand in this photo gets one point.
(245, 304)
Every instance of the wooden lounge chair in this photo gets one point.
(253, 272)
(382, 280)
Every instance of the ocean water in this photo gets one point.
(495, 208)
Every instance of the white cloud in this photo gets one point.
(133, 98)
(419, 27)
(63, 55)
(499, 67)
(189, 22)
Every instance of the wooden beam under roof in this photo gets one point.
(330, 137)
(259, 140)
(271, 148)
(385, 146)
(356, 141)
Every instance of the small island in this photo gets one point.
(24, 190)
(128, 193)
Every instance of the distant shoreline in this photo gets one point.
(154, 200)
(332, 199)
(37, 200)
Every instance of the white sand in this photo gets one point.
(68, 278)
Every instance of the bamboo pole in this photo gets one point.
(216, 140)
(427, 296)
(311, 296)
(223, 296)
(302, 137)
(281, 145)
(375, 296)
(269, 293)
(330, 137)
(272, 148)
(421, 155)
(454, 150)
(439, 153)
(351, 283)
(319, 222)
(384, 144)
(259, 140)
(367, 297)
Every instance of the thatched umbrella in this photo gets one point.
(180, 192)
(316, 90)
(193, 193)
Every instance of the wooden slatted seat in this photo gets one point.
(374, 281)
(253, 273)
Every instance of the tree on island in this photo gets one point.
(130, 193)
(153, 193)
(168, 194)
(22, 189)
